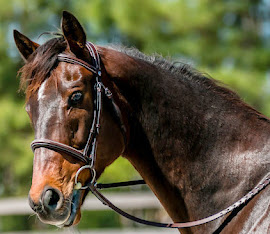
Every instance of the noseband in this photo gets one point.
(88, 155)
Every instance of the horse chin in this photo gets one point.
(75, 213)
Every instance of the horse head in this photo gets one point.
(60, 103)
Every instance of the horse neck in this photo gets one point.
(192, 143)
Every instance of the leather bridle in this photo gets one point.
(88, 155)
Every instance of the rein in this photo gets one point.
(88, 155)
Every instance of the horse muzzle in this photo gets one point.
(52, 208)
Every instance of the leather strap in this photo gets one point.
(244, 200)
(59, 147)
(70, 59)
(119, 184)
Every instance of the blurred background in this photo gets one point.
(227, 39)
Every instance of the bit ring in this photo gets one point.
(93, 173)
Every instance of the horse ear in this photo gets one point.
(73, 33)
(24, 45)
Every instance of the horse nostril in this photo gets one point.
(51, 199)
(35, 206)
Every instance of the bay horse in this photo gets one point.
(196, 144)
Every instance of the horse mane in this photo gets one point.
(40, 64)
(180, 70)
(192, 77)
(44, 59)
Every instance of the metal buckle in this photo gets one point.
(78, 185)
(108, 93)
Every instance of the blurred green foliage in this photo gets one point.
(228, 39)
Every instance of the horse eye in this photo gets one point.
(75, 98)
